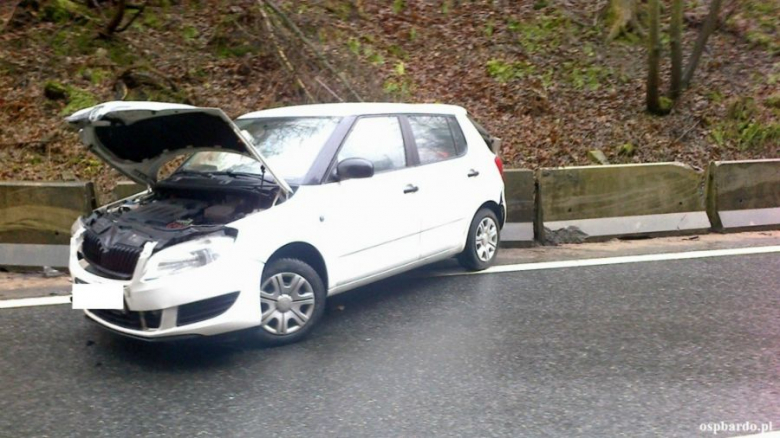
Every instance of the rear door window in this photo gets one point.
(434, 137)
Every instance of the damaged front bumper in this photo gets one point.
(220, 297)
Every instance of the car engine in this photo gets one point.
(116, 235)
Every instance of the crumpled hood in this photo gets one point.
(138, 138)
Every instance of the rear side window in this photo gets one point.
(482, 132)
(434, 138)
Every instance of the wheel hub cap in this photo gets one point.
(486, 239)
(286, 303)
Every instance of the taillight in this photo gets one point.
(500, 166)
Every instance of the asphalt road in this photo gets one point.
(647, 349)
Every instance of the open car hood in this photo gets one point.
(138, 138)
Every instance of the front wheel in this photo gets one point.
(481, 242)
(292, 301)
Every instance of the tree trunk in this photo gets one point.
(675, 34)
(116, 19)
(654, 50)
(623, 16)
(701, 42)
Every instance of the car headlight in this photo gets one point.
(77, 226)
(187, 255)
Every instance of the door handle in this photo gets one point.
(473, 173)
(411, 188)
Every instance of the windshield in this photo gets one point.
(289, 145)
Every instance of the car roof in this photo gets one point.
(355, 109)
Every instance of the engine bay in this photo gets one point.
(167, 215)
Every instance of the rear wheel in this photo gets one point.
(482, 241)
(292, 301)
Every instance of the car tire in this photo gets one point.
(292, 301)
(482, 241)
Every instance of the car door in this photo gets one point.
(373, 224)
(446, 198)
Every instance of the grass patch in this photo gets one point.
(586, 77)
(368, 52)
(744, 128)
(503, 71)
(189, 33)
(539, 34)
(95, 76)
(60, 11)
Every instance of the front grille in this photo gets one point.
(205, 309)
(118, 260)
(130, 319)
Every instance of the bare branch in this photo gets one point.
(701, 42)
(297, 31)
(282, 56)
(139, 10)
(675, 41)
(333, 93)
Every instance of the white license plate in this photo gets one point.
(98, 296)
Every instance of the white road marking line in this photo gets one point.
(618, 260)
(65, 299)
(33, 302)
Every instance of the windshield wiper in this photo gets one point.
(192, 173)
(234, 174)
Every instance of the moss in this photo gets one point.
(666, 104)
(78, 99)
(55, 91)
(58, 11)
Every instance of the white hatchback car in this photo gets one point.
(275, 211)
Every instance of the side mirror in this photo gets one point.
(354, 168)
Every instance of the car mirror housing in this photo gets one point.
(352, 168)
